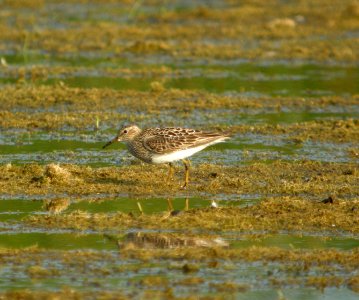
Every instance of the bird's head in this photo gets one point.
(125, 134)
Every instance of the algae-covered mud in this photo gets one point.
(272, 213)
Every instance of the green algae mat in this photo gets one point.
(272, 213)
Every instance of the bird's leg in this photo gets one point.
(170, 172)
(186, 207)
(170, 205)
(186, 176)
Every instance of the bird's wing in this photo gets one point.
(167, 140)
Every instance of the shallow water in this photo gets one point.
(15, 235)
(84, 147)
(247, 79)
(240, 151)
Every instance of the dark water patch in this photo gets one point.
(287, 88)
(263, 79)
(290, 117)
(27, 146)
(13, 230)
(21, 237)
(16, 209)
(289, 241)
(265, 115)
(60, 241)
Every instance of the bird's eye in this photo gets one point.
(125, 131)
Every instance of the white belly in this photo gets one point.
(169, 157)
(181, 154)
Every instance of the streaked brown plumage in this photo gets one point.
(165, 145)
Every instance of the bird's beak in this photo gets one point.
(110, 142)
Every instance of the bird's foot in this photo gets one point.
(184, 186)
(169, 180)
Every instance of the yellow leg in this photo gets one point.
(170, 205)
(170, 172)
(186, 168)
(140, 207)
(186, 207)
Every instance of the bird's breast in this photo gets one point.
(138, 151)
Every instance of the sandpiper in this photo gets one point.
(166, 145)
